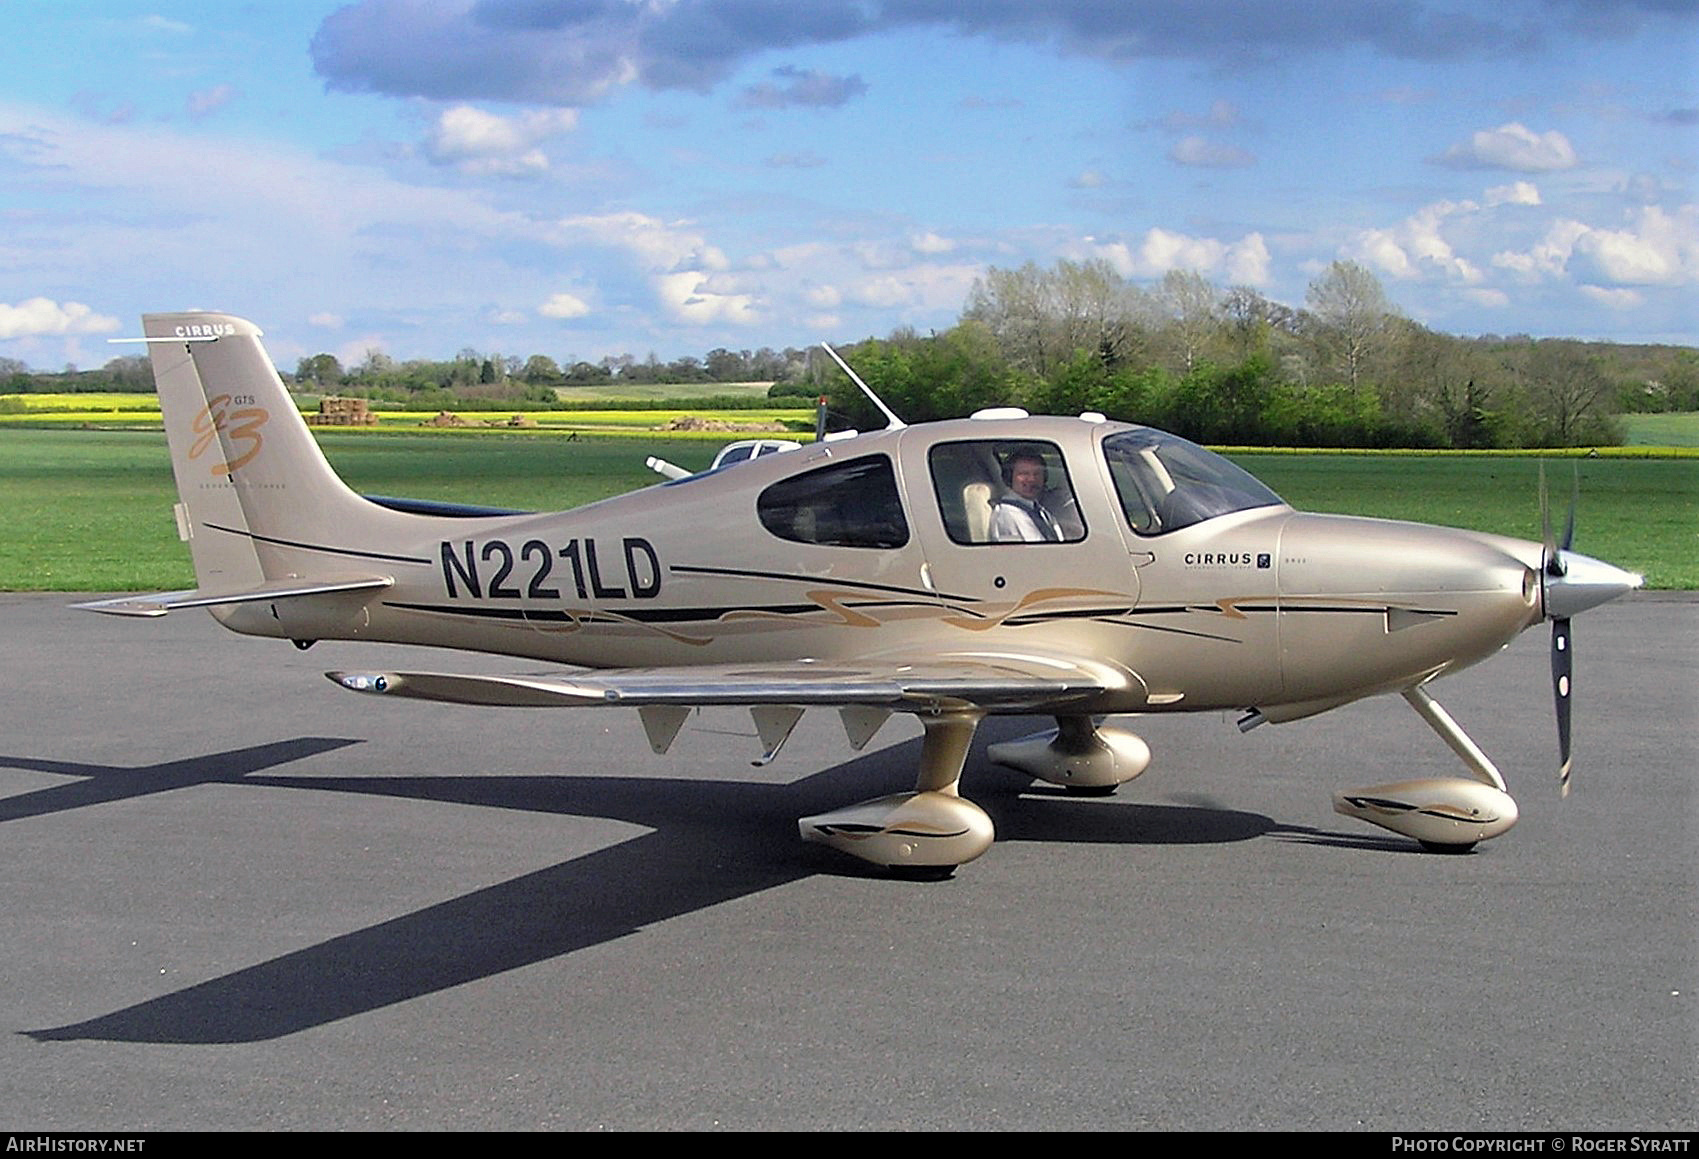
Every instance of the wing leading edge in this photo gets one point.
(1006, 683)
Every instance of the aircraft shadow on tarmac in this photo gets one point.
(102, 784)
(711, 842)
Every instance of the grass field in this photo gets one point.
(141, 412)
(1665, 430)
(91, 510)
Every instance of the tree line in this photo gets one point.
(471, 378)
(1218, 365)
(1233, 366)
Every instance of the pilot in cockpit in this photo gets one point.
(1019, 514)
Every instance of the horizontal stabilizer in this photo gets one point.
(159, 603)
(1005, 684)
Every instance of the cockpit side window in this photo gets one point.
(1165, 482)
(1005, 491)
(852, 504)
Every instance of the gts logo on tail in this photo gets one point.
(241, 425)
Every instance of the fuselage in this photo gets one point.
(1189, 584)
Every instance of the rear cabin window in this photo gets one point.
(1005, 491)
(853, 504)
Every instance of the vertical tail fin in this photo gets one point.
(255, 486)
(224, 561)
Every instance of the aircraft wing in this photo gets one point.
(865, 693)
(160, 603)
(1004, 682)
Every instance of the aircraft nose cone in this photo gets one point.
(1585, 583)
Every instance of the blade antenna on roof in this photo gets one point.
(892, 422)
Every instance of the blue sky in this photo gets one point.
(580, 178)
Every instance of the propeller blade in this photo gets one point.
(1548, 554)
(1570, 583)
(1550, 561)
(1563, 667)
(1568, 540)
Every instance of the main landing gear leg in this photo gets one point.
(1084, 758)
(923, 834)
(1446, 814)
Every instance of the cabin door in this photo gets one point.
(1017, 531)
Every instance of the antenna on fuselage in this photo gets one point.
(892, 422)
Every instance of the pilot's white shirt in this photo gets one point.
(1017, 520)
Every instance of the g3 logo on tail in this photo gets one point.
(241, 425)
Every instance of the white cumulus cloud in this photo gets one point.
(885, 293)
(1417, 247)
(479, 142)
(1617, 299)
(690, 297)
(654, 244)
(1245, 261)
(1512, 146)
(1656, 248)
(1516, 193)
(1548, 256)
(38, 316)
(564, 306)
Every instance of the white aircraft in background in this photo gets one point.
(877, 574)
(740, 451)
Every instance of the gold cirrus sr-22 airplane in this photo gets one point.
(1000, 564)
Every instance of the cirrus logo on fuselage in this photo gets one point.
(1252, 559)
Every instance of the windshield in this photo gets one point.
(1167, 483)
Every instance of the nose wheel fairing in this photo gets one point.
(1446, 813)
(1441, 812)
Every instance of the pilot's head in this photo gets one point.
(1025, 472)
